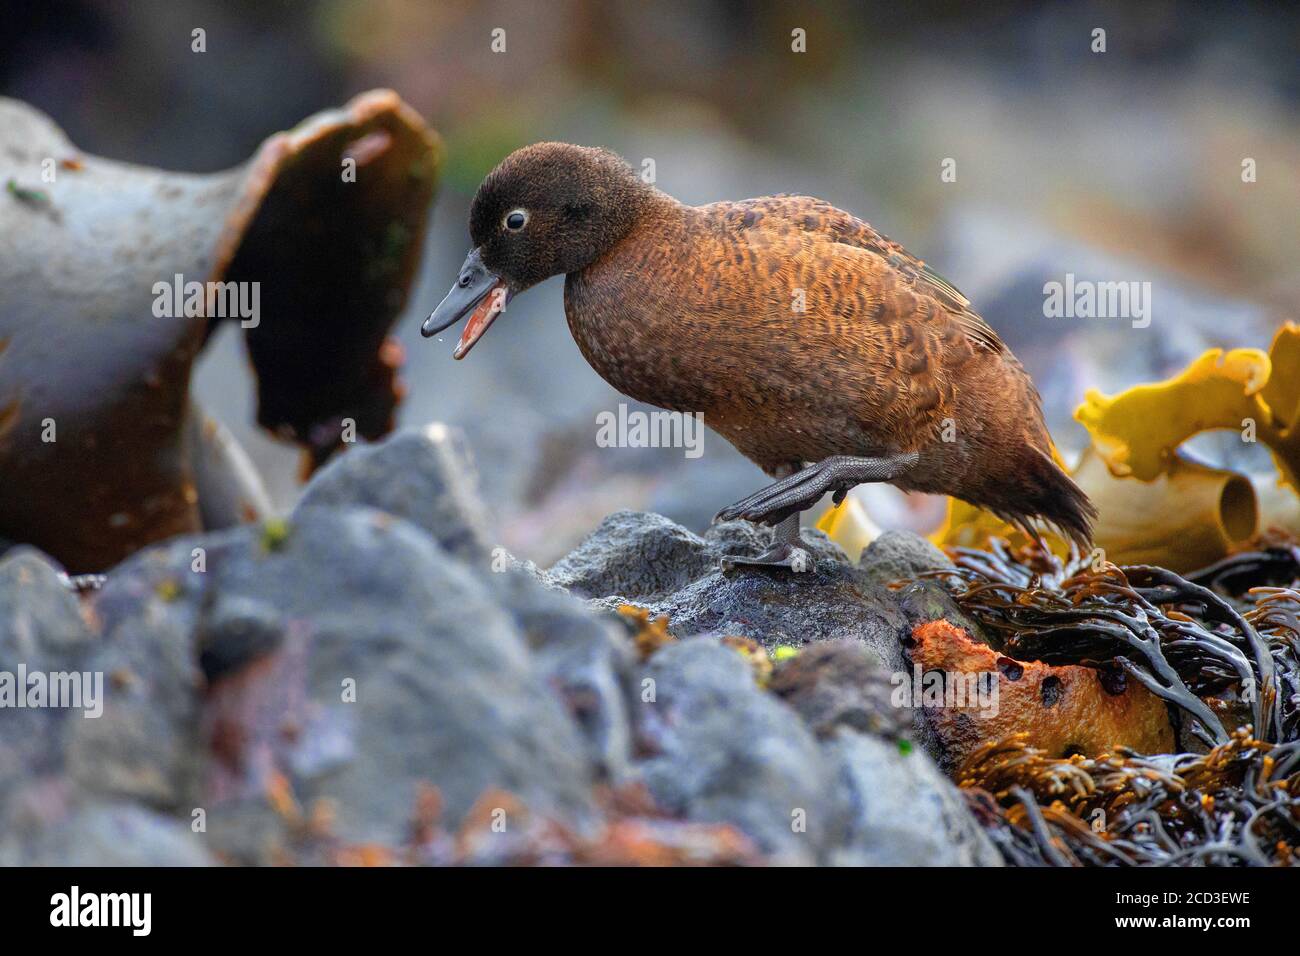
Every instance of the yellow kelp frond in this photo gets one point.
(1188, 517)
(1156, 505)
(1258, 395)
(1137, 431)
(1282, 390)
(966, 526)
(849, 526)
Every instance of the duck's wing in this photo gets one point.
(809, 214)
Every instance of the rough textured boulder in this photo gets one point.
(651, 562)
(901, 555)
(41, 631)
(901, 811)
(584, 657)
(424, 475)
(367, 680)
(342, 649)
(721, 749)
(634, 556)
(39, 615)
(837, 684)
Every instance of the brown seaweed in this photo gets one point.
(1236, 805)
(1191, 643)
(1181, 640)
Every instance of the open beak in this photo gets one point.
(479, 293)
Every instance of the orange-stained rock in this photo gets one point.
(1064, 709)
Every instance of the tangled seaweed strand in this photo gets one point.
(1277, 565)
(1239, 804)
(1182, 641)
(1185, 640)
(1276, 616)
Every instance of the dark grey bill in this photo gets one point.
(472, 286)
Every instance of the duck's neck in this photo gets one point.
(623, 308)
(616, 208)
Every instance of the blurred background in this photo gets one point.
(1117, 166)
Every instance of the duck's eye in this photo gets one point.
(516, 220)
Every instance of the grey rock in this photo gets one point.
(721, 750)
(833, 601)
(902, 811)
(42, 634)
(923, 601)
(901, 555)
(640, 556)
(647, 560)
(445, 691)
(106, 834)
(39, 614)
(633, 555)
(837, 684)
(585, 658)
(746, 539)
(235, 631)
(841, 684)
(424, 475)
(250, 832)
(817, 606)
(346, 653)
(148, 744)
(898, 556)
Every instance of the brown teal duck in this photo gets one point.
(821, 349)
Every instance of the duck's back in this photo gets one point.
(800, 332)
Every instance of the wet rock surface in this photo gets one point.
(366, 680)
(647, 560)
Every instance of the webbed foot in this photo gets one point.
(789, 551)
(800, 491)
(793, 556)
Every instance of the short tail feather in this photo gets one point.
(1049, 495)
(1064, 504)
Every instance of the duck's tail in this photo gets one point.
(1042, 492)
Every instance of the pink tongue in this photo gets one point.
(492, 305)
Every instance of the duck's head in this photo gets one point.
(548, 209)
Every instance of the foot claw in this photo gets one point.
(790, 556)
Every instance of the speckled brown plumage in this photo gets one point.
(698, 309)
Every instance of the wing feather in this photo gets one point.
(816, 215)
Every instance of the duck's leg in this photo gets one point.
(788, 550)
(800, 491)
